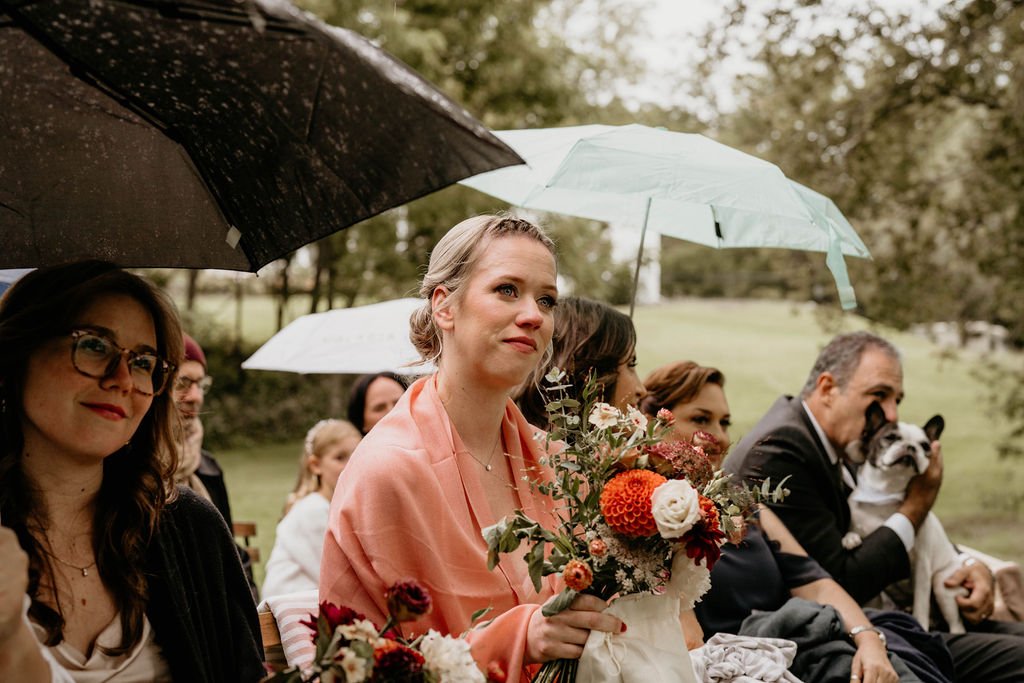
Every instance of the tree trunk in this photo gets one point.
(314, 290)
(284, 292)
(190, 292)
(238, 314)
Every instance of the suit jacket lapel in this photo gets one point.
(840, 491)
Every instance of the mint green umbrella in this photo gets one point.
(678, 184)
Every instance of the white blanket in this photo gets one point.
(728, 658)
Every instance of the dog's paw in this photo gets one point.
(852, 540)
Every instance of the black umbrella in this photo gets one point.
(208, 134)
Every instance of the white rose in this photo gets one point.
(676, 507)
(604, 416)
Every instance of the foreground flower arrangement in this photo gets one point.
(351, 649)
(638, 514)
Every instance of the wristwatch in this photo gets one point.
(861, 629)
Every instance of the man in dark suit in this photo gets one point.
(804, 438)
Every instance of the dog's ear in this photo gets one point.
(933, 428)
(874, 419)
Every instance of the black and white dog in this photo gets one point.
(890, 454)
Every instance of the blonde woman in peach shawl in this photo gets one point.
(456, 455)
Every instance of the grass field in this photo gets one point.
(765, 349)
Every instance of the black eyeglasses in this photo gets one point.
(183, 384)
(97, 356)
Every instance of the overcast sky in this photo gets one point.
(673, 26)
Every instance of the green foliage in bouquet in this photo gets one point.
(628, 502)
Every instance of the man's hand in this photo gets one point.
(979, 602)
(924, 489)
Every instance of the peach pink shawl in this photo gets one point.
(411, 504)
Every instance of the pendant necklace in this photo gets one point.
(487, 465)
(84, 570)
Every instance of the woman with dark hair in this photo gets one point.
(591, 339)
(119, 571)
(372, 397)
(768, 566)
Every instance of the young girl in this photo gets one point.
(294, 563)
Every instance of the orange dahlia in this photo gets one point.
(626, 502)
(709, 513)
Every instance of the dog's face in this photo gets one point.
(895, 451)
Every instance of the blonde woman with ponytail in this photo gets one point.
(294, 563)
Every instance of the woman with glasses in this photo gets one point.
(105, 568)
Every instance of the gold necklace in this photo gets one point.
(84, 570)
(486, 465)
(494, 449)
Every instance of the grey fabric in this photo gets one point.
(824, 653)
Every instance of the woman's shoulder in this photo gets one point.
(388, 449)
(189, 508)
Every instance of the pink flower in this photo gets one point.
(708, 442)
(666, 416)
(598, 547)
(680, 460)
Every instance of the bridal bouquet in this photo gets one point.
(642, 520)
(351, 649)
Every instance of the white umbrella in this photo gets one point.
(10, 276)
(363, 339)
(677, 184)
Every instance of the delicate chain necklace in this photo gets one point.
(486, 465)
(84, 570)
(494, 449)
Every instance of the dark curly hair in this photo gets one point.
(135, 489)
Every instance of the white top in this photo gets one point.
(294, 563)
(145, 663)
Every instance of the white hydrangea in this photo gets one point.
(449, 659)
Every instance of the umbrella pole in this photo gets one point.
(639, 257)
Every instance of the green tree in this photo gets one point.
(510, 64)
(911, 129)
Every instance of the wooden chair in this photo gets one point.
(247, 531)
(273, 652)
